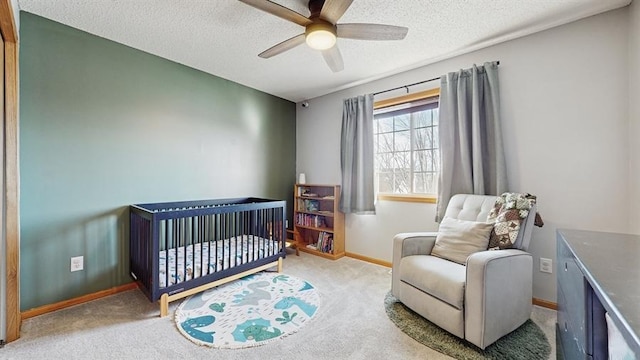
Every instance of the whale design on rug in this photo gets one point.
(289, 301)
(260, 333)
(256, 330)
(253, 295)
(190, 326)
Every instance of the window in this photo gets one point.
(407, 158)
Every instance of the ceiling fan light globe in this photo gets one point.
(320, 39)
(320, 35)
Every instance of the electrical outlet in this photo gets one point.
(77, 263)
(546, 265)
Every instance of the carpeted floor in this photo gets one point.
(527, 342)
(350, 324)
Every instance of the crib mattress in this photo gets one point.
(209, 257)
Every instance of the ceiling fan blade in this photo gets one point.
(371, 31)
(333, 58)
(279, 11)
(283, 46)
(332, 10)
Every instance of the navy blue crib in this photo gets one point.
(177, 249)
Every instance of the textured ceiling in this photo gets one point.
(224, 37)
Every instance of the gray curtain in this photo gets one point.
(356, 156)
(472, 155)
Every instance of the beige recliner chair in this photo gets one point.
(480, 302)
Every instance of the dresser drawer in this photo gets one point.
(571, 337)
(568, 271)
(571, 305)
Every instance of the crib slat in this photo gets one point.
(236, 235)
(211, 238)
(226, 236)
(201, 241)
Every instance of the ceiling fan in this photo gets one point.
(321, 29)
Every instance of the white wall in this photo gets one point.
(634, 114)
(565, 107)
(16, 13)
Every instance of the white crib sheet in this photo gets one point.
(222, 256)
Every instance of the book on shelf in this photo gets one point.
(325, 242)
(310, 220)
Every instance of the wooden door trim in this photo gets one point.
(8, 27)
(9, 33)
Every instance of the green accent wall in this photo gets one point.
(103, 126)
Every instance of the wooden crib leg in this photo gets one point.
(279, 265)
(164, 305)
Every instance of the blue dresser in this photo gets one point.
(597, 272)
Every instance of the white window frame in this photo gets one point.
(415, 99)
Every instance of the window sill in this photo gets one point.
(419, 198)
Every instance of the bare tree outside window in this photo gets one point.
(407, 157)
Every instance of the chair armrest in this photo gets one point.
(406, 244)
(498, 294)
(415, 243)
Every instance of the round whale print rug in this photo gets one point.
(248, 312)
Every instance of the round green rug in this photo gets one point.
(248, 312)
(525, 343)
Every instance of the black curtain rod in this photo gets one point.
(406, 86)
(414, 84)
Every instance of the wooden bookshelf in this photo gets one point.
(318, 223)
